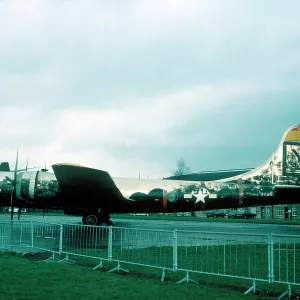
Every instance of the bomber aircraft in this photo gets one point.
(94, 194)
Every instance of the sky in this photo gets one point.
(132, 86)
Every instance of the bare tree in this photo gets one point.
(182, 168)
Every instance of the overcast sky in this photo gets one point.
(132, 86)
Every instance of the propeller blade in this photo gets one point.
(13, 191)
(19, 213)
(38, 167)
(27, 164)
(12, 205)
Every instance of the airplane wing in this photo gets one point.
(80, 185)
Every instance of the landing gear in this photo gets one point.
(90, 220)
(93, 219)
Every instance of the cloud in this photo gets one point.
(118, 139)
(134, 86)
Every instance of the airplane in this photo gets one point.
(94, 194)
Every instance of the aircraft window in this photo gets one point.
(45, 177)
(46, 184)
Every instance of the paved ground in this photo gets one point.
(222, 227)
(136, 233)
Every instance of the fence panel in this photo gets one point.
(230, 254)
(286, 258)
(6, 237)
(85, 241)
(45, 237)
(15, 235)
(144, 247)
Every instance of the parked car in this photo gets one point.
(215, 214)
(231, 214)
(248, 214)
(242, 214)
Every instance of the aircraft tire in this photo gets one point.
(91, 220)
(97, 219)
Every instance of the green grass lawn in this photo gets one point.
(55, 281)
(28, 278)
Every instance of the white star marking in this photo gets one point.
(203, 193)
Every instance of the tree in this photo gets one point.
(182, 168)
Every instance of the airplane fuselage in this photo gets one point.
(37, 189)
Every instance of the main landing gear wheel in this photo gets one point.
(91, 220)
(97, 219)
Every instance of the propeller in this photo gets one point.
(13, 192)
(13, 196)
(20, 208)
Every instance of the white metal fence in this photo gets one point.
(261, 257)
(230, 254)
(142, 247)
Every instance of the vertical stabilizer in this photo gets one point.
(283, 167)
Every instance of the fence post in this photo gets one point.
(270, 258)
(175, 262)
(60, 238)
(11, 236)
(21, 234)
(110, 235)
(31, 228)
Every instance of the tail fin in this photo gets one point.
(283, 167)
(4, 167)
(291, 152)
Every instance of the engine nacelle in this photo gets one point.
(36, 185)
